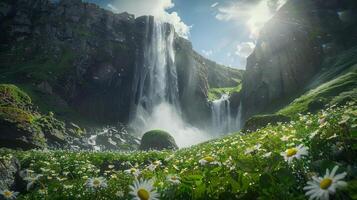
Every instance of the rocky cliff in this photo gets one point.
(78, 60)
(291, 50)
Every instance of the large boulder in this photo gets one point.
(260, 121)
(17, 121)
(22, 126)
(157, 140)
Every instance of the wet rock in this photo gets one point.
(113, 138)
(9, 172)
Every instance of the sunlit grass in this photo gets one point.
(237, 166)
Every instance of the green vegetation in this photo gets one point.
(260, 121)
(216, 93)
(158, 140)
(336, 91)
(15, 106)
(260, 165)
(13, 96)
(20, 120)
(26, 62)
(27, 66)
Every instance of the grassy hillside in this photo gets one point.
(234, 167)
(216, 93)
(336, 91)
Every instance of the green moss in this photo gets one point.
(16, 115)
(333, 91)
(157, 139)
(216, 93)
(19, 119)
(11, 95)
(38, 67)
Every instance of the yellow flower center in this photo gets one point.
(291, 152)
(325, 183)
(132, 170)
(174, 178)
(208, 159)
(143, 194)
(96, 183)
(7, 194)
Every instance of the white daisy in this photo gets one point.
(253, 149)
(174, 179)
(7, 194)
(267, 155)
(144, 190)
(154, 165)
(295, 152)
(133, 171)
(119, 194)
(208, 160)
(321, 188)
(285, 138)
(97, 183)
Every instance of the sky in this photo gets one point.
(224, 31)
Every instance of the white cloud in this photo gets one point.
(156, 8)
(112, 8)
(214, 5)
(253, 14)
(240, 54)
(207, 53)
(244, 49)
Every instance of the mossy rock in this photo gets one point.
(10, 95)
(316, 105)
(260, 121)
(21, 126)
(16, 115)
(157, 140)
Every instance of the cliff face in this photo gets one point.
(83, 54)
(75, 58)
(291, 49)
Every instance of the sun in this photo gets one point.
(259, 15)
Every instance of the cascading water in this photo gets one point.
(156, 100)
(222, 120)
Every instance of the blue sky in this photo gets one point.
(222, 30)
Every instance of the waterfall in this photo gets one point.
(222, 120)
(220, 117)
(156, 94)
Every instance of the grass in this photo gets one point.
(335, 91)
(233, 167)
(216, 93)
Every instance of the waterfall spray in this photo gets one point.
(156, 100)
